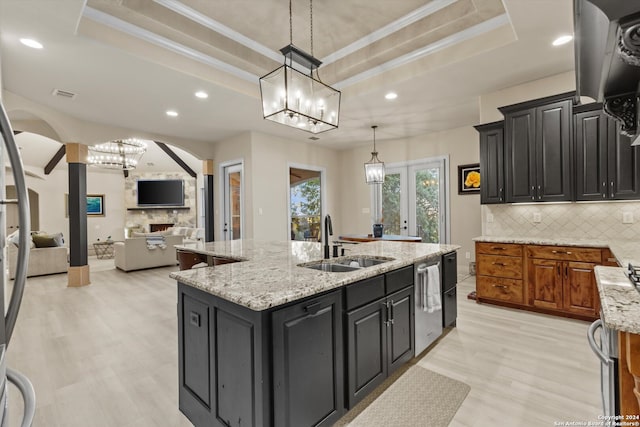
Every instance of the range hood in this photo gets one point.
(607, 34)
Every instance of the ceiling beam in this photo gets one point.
(55, 159)
(176, 158)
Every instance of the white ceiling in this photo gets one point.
(129, 61)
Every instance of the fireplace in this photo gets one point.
(159, 227)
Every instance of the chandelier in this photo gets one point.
(118, 154)
(295, 99)
(374, 168)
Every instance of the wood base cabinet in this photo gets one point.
(629, 374)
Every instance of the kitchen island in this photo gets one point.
(267, 342)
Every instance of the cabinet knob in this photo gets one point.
(500, 286)
(501, 264)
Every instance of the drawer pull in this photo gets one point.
(500, 286)
(562, 252)
(502, 264)
(498, 248)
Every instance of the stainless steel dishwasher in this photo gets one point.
(428, 319)
(607, 352)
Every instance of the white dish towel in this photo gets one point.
(432, 279)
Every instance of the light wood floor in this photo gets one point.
(106, 355)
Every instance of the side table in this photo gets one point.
(104, 250)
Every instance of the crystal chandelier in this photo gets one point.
(296, 99)
(118, 154)
(374, 168)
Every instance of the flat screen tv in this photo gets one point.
(166, 192)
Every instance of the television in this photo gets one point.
(166, 192)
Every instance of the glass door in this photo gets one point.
(233, 214)
(414, 201)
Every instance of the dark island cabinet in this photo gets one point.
(607, 166)
(538, 150)
(308, 363)
(380, 333)
(492, 162)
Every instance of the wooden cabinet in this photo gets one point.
(607, 166)
(308, 362)
(629, 374)
(380, 333)
(551, 279)
(492, 162)
(538, 154)
(499, 272)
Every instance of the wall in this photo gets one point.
(142, 218)
(271, 183)
(461, 145)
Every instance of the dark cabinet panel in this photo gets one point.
(492, 162)
(450, 307)
(449, 271)
(449, 285)
(591, 136)
(308, 362)
(553, 152)
(624, 168)
(401, 336)
(366, 332)
(520, 152)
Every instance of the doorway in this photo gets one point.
(306, 202)
(414, 200)
(12, 210)
(233, 195)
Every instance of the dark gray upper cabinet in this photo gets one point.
(538, 150)
(492, 162)
(607, 166)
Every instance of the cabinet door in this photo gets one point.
(520, 156)
(591, 136)
(624, 167)
(366, 350)
(553, 152)
(308, 362)
(579, 288)
(400, 341)
(492, 165)
(545, 283)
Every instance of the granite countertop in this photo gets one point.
(269, 275)
(619, 299)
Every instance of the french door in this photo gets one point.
(414, 201)
(233, 209)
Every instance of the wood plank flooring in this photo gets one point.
(106, 355)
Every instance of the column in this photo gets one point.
(78, 267)
(207, 171)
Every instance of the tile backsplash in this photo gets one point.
(598, 220)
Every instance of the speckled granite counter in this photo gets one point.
(269, 275)
(620, 301)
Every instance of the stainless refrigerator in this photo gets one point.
(9, 151)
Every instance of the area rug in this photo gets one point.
(419, 397)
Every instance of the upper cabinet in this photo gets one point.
(537, 142)
(492, 162)
(607, 166)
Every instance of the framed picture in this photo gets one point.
(469, 179)
(95, 205)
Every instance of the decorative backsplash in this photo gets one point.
(574, 220)
(140, 219)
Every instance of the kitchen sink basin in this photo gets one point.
(345, 264)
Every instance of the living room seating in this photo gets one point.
(138, 253)
(42, 260)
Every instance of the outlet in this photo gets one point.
(366, 210)
(467, 255)
(489, 217)
(627, 217)
(537, 217)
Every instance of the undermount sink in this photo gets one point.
(345, 264)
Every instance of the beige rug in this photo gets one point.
(419, 397)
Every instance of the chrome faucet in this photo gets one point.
(328, 231)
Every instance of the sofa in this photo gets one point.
(138, 253)
(41, 261)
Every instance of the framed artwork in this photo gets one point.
(95, 205)
(469, 179)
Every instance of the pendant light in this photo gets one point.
(295, 99)
(374, 168)
(118, 154)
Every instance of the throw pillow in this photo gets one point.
(48, 241)
(14, 238)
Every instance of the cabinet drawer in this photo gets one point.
(499, 289)
(565, 253)
(364, 291)
(399, 279)
(499, 266)
(608, 259)
(508, 249)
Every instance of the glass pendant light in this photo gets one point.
(374, 168)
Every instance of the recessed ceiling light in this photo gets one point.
(172, 113)
(564, 39)
(31, 43)
(391, 95)
(202, 94)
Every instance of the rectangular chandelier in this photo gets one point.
(298, 100)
